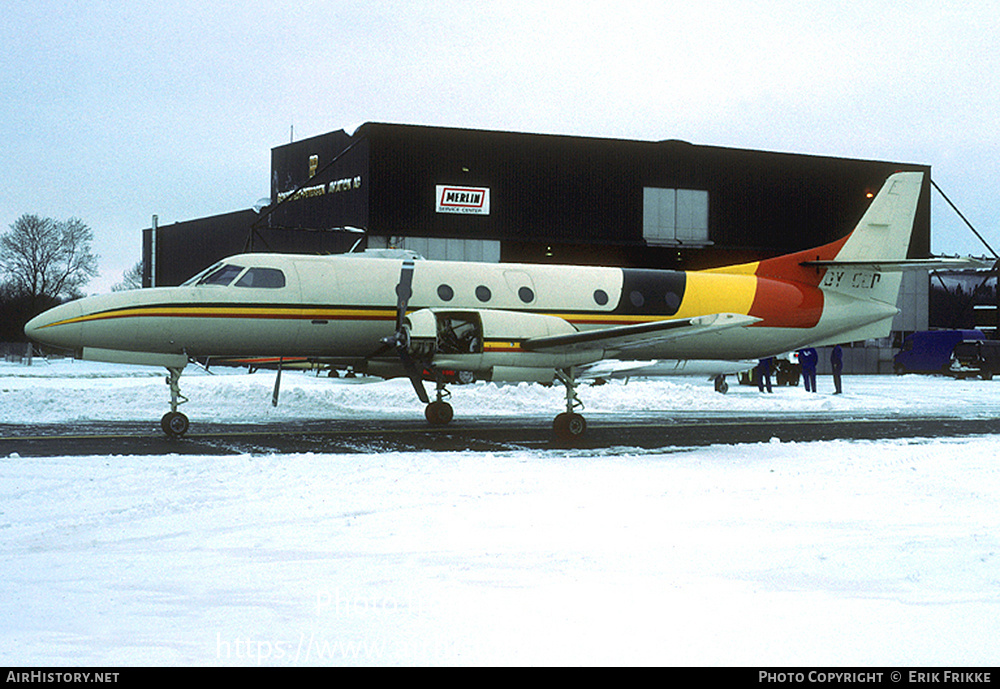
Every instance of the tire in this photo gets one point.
(174, 424)
(569, 426)
(439, 413)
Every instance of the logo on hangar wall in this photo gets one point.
(472, 200)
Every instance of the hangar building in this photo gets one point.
(462, 194)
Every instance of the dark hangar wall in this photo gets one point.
(580, 199)
(551, 198)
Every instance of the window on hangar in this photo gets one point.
(675, 216)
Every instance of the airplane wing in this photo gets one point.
(626, 337)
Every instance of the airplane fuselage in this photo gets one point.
(342, 307)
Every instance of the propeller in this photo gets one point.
(401, 338)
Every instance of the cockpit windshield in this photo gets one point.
(193, 280)
(223, 274)
(216, 275)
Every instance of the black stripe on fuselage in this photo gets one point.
(651, 292)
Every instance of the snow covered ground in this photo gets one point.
(834, 553)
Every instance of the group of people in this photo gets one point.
(808, 358)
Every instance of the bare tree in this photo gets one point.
(131, 279)
(46, 258)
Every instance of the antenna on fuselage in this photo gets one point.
(355, 230)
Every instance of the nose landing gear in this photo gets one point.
(569, 425)
(174, 423)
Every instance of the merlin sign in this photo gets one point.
(471, 200)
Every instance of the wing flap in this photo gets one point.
(623, 338)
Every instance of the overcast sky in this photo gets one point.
(114, 111)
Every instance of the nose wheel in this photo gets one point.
(174, 424)
(569, 426)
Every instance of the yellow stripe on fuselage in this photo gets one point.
(195, 311)
(707, 293)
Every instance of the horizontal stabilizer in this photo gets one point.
(640, 335)
(894, 266)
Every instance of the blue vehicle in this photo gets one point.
(929, 351)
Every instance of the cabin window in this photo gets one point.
(267, 278)
(222, 276)
(445, 293)
(483, 293)
(600, 297)
(526, 295)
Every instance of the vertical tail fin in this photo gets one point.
(884, 231)
(868, 268)
(869, 265)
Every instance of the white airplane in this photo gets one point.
(504, 322)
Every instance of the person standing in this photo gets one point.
(837, 364)
(808, 358)
(764, 374)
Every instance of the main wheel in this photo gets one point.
(174, 424)
(439, 413)
(569, 426)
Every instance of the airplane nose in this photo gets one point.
(57, 327)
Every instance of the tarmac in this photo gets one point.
(605, 432)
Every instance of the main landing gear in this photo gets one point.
(439, 412)
(174, 423)
(568, 426)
